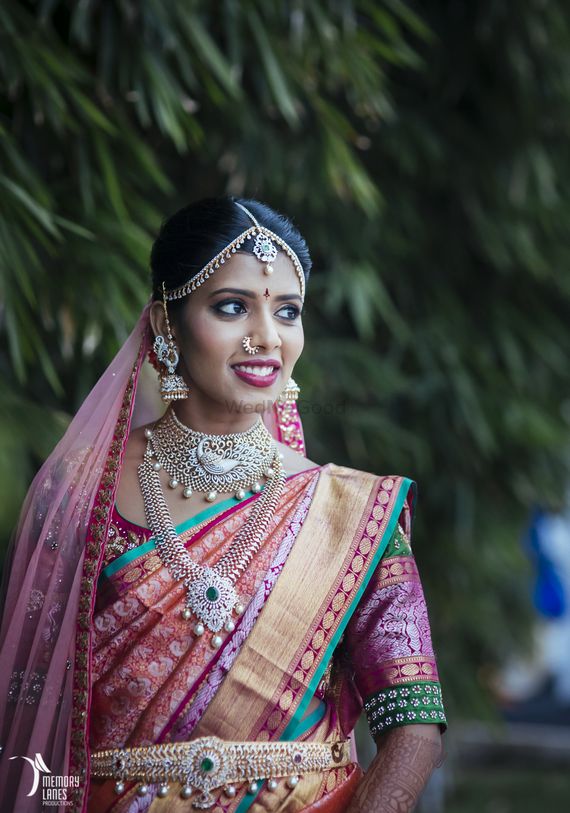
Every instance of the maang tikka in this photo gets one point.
(172, 386)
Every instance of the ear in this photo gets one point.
(158, 320)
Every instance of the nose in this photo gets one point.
(264, 330)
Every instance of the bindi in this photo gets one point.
(267, 294)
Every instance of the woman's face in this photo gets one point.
(209, 330)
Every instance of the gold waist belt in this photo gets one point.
(208, 764)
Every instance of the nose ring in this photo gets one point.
(247, 347)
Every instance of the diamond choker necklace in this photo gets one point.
(211, 464)
(224, 463)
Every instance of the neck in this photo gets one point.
(213, 422)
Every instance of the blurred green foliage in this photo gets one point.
(423, 153)
(504, 790)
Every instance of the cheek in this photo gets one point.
(295, 345)
(207, 341)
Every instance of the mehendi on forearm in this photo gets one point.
(398, 774)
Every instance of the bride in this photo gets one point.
(196, 613)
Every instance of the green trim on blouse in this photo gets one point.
(399, 545)
(405, 704)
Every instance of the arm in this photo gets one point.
(394, 668)
(400, 770)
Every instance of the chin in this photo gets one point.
(257, 407)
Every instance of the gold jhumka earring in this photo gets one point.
(290, 393)
(172, 386)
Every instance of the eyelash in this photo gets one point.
(218, 308)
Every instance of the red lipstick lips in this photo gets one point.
(258, 380)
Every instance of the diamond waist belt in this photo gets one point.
(208, 764)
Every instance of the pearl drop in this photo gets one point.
(230, 791)
(148, 433)
(238, 609)
(292, 782)
(186, 792)
(272, 784)
(252, 787)
(119, 787)
(187, 492)
(217, 641)
(162, 791)
(157, 466)
(173, 483)
(229, 626)
(256, 487)
(198, 629)
(186, 613)
(211, 496)
(268, 269)
(240, 494)
(269, 472)
(142, 790)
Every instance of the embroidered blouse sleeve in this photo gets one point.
(388, 641)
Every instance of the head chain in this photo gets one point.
(226, 253)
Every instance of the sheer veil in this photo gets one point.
(51, 575)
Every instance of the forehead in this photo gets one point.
(246, 271)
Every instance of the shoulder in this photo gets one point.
(388, 482)
(394, 490)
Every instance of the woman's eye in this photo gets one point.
(231, 307)
(291, 311)
(235, 307)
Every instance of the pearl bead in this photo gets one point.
(240, 494)
(229, 626)
(198, 629)
(252, 788)
(187, 492)
(256, 487)
(230, 791)
(269, 472)
(292, 782)
(142, 790)
(272, 784)
(173, 483)
(157, 466)
(119, 787)
(211, 496)
(239, 608)
(268, 269)
(148, 433)
(186, 792)
(162, 791)
(186, 613)
(217, 641)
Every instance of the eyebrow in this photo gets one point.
(252, 294)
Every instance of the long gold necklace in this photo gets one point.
(211, 596)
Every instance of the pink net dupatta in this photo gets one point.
(42, 648)
(51, 575)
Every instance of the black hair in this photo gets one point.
(191, 237)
